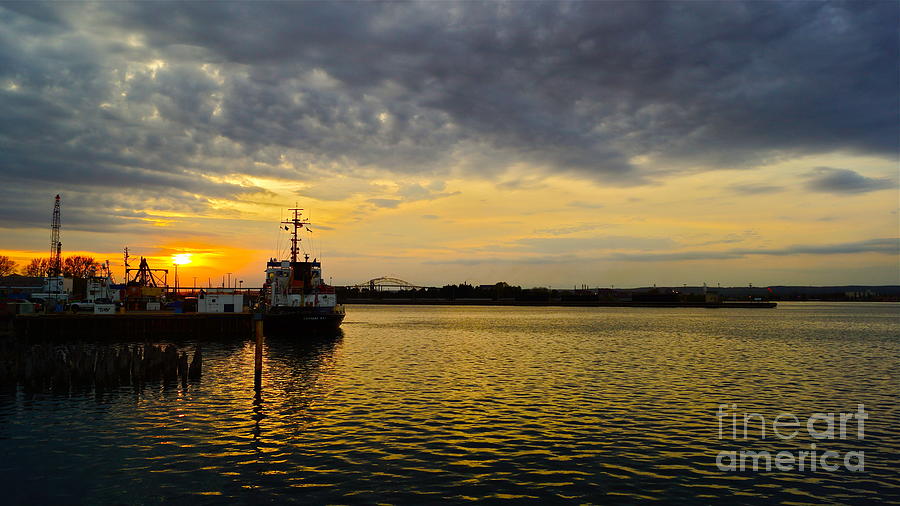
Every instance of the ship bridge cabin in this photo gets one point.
(298, 284)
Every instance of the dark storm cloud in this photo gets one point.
(844, 181)
(86, 209)
(173, 96)
(566, 83)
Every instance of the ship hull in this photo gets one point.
(300, 323)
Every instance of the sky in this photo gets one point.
(538, 143)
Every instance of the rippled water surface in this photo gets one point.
(424, 404)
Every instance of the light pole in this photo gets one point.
(229, 280)
(241, 284)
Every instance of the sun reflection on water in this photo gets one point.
(487, 403)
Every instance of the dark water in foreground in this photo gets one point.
(425, 404)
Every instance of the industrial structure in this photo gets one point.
(145, 287)
(55, 244)
(54, 287)
(144, 275)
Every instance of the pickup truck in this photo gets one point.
(76, 307)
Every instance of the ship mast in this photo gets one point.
(297, 222)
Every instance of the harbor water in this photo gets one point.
(457, 404)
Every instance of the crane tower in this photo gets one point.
(55, 245)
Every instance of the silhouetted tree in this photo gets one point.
(38, 267)
(78, 266)
(7, 266)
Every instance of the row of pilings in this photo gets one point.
(66, 367)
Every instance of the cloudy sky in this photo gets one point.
(541, 143)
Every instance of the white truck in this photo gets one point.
(101, 297)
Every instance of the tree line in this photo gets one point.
(75, 266)
(498, 291)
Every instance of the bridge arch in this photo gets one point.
(386, 283)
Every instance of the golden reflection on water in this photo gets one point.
(416, 404)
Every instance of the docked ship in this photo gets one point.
(297, 300)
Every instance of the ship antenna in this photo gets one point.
(297, 222)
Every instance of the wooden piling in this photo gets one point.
(257, 376)
(64, 368)
(196, 367)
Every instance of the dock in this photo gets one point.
(132, 326)
(155, 325)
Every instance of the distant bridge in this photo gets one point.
(386, 283)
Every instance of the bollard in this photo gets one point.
(257, 376)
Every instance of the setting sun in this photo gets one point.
(181, 258)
